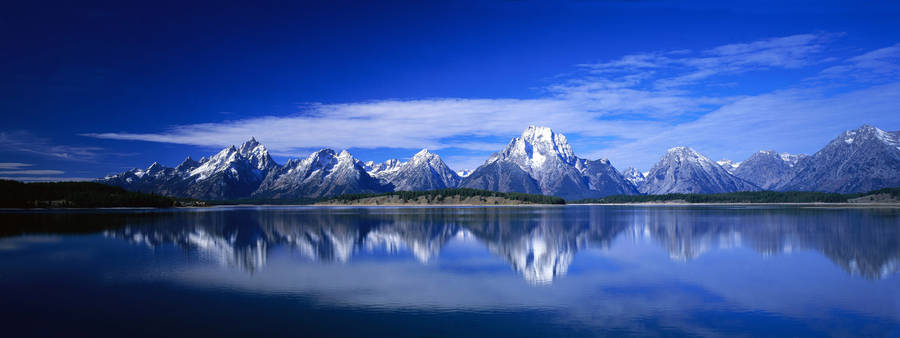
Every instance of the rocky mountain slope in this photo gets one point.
(322, 173)
(858, 160)
(230, 173)
(541, 161)
(634, 176)
(768, 169)
(684, 170)
(425, 171)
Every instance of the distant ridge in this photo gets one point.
(539, 161)
(885, 195)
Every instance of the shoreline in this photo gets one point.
(643, 204)
(799, 204)
(435, 205)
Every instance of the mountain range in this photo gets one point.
(539, 161)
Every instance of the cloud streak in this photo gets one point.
(639, 105)
(13, 165)
(46, 179)
(875, 66)
(25, 142)
(31, 172)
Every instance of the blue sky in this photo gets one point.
(91, 89)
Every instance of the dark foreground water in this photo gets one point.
(435, 272)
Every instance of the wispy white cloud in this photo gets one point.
(877, 65)
(46, 178)
(640, 105)
(669, 70)
(26, 142)
(31, 172)
(13, 165)
(792, 120)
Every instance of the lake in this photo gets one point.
(452, 271)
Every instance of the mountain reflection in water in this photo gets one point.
(538, 243)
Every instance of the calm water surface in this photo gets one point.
(456, 271)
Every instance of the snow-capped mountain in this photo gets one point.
(425, 171)
(538, 162)
(684, 170)
(603, 179)
(249, 171)
(230, 173)
(322, 173)
(257, 155)
(541, 161)
(729, 165)
(464, 173)
(768, 169)
(634, 176)
(385, 170)
(858, 160)
(155, 179)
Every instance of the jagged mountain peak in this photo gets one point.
(218, 162)
(682, 151)
(324, 151)
(425, 156)
(684, 170)
(155, 169)
(792, 159)
(688, 154)
(543, 141)
(859, 160)
(542, 161)
(425, 171)
(372, 166)
(729, 165)
(636, 177)
(768, 169)
(322, 173)
(536, 148)
(868, 133)
(250, 143)
(538, 161)
(789, 159)
(318, 159)
(257, 154)
(384, 171)
(187, 164)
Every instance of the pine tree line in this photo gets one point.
(743, 197)
(14, 194)
(441, 194)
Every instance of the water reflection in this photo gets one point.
(538, 243)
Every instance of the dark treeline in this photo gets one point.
(441, 194)
(263, 201)
(14, 194)
(743, 197)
